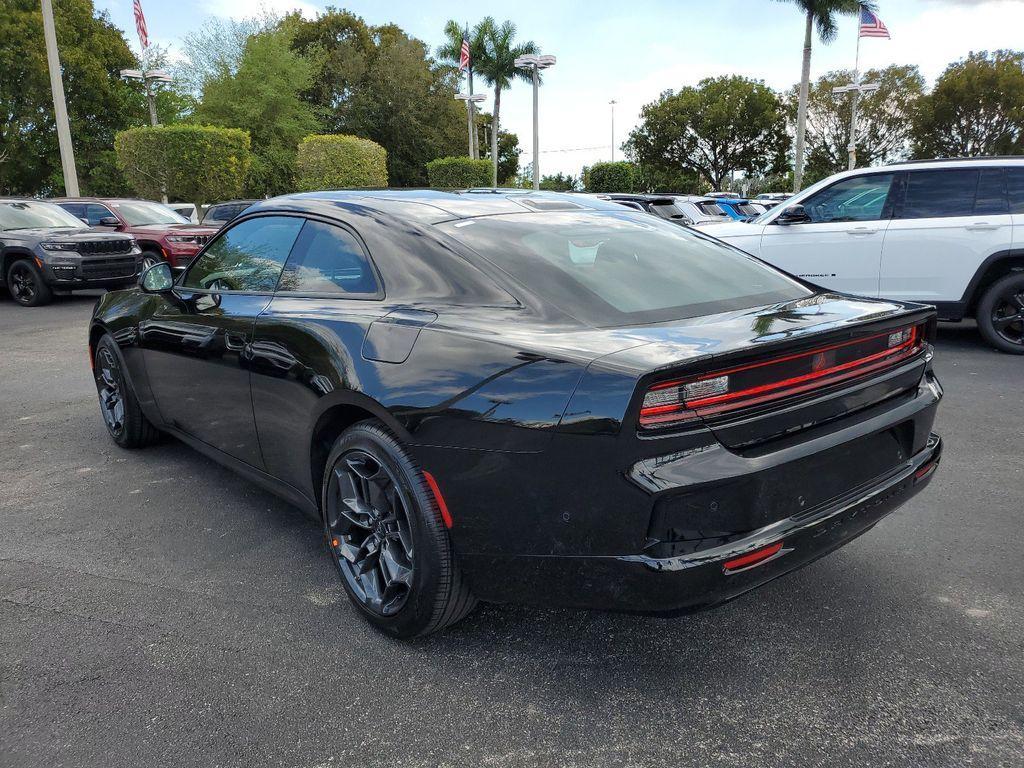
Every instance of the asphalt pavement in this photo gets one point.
(157, 610)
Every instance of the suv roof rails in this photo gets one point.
(958, 159)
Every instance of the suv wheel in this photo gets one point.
(386, 536)
(149, 258)
(1000, 314)
(26, 284)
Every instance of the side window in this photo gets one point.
(991, 197)
(247, 257)
(75, 209)
(861, 198)
(328, 259)
(94, 212)
(940, 193)
(1015, 188)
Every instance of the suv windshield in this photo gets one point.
(138, 213)
(614, 268)
(18, 214)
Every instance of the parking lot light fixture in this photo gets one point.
(148, 77)
(471, 99)
(536, 63)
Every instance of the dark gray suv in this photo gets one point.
(43, 249)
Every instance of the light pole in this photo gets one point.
(149, 78)
(612, 103)
(60, 108)
(536, 63)
(471, 99)
(856, 88)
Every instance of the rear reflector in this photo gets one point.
(743, 386)
(752, 558)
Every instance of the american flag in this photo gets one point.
(870, 25)
(140, 25)
(463, 54)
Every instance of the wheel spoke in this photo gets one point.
(1002, 322)
(394, 566)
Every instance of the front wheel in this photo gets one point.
(149, 258)
(125, 421)
(1000, 314)
(26, 284)
(387, 538)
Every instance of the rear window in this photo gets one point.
(622, 268)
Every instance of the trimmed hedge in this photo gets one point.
(197, 163)
(333, 161)
(459, 173)
(620, 176)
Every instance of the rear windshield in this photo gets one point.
(612, 268)
(711, 209)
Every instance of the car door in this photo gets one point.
(840, 244)
(946, 222)
(315, 328)
(1015, 192)
(195, 345)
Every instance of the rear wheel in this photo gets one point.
(26, 284)
(387, 538)
(125, 421)
(1000, 314)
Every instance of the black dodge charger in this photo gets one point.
(526, 397)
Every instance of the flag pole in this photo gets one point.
(852, 148)
(473, 152)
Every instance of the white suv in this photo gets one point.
(943, 232)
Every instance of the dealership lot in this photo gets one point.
(155, 609)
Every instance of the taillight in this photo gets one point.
(709, 394)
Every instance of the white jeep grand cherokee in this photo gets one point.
(943, 232)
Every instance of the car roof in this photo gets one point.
(430, 206)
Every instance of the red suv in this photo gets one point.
(162, 234)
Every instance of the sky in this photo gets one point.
(632, 51)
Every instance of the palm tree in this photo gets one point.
(820, 14)
(450, 52)
(497, 67)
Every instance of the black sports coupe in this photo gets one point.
(517, 396)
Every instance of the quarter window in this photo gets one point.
(247, 257)
(1015, 188)
(328, 259)
(861, 198)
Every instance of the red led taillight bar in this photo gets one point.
(731, 389)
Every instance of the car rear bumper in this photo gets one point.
(644, 584)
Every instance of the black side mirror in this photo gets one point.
(110, 221)
(793, 214)
(157, 278)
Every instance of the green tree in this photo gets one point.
(508, 148)
(200, 164)
(975, 108)
(560, 182)
(497, 68)
(263, 97)
(458, 173)
(885, 119)
(93, 51)
(820, 15)
(450, 52)
(379, 83)
(725, 124)
(337, 161)
(620, 176)
(215, 50)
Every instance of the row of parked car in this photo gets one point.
(69, 243)
(944, 232)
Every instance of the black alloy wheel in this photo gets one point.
(109, 387)
(122, 415)
(1000, 314)
(368, 522)
(387, 537)
(25, 282)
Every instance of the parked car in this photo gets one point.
(740, 209)
(700, 209)
(533, 397)
(659, 205)
(219, 214)
(45, 249)
(946, 233)
(773, 197)
(186, 211)
(162, 234)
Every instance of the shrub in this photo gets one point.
(333, 161)
(197, 163)
(619, 176)
(459, 173)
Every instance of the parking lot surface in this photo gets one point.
(157, 610)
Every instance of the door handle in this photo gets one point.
(982, 226)
(861, 231)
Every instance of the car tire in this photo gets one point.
(126, 424)
(1000, 314)
(148, 259)
(387, 537)
(26, 284)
